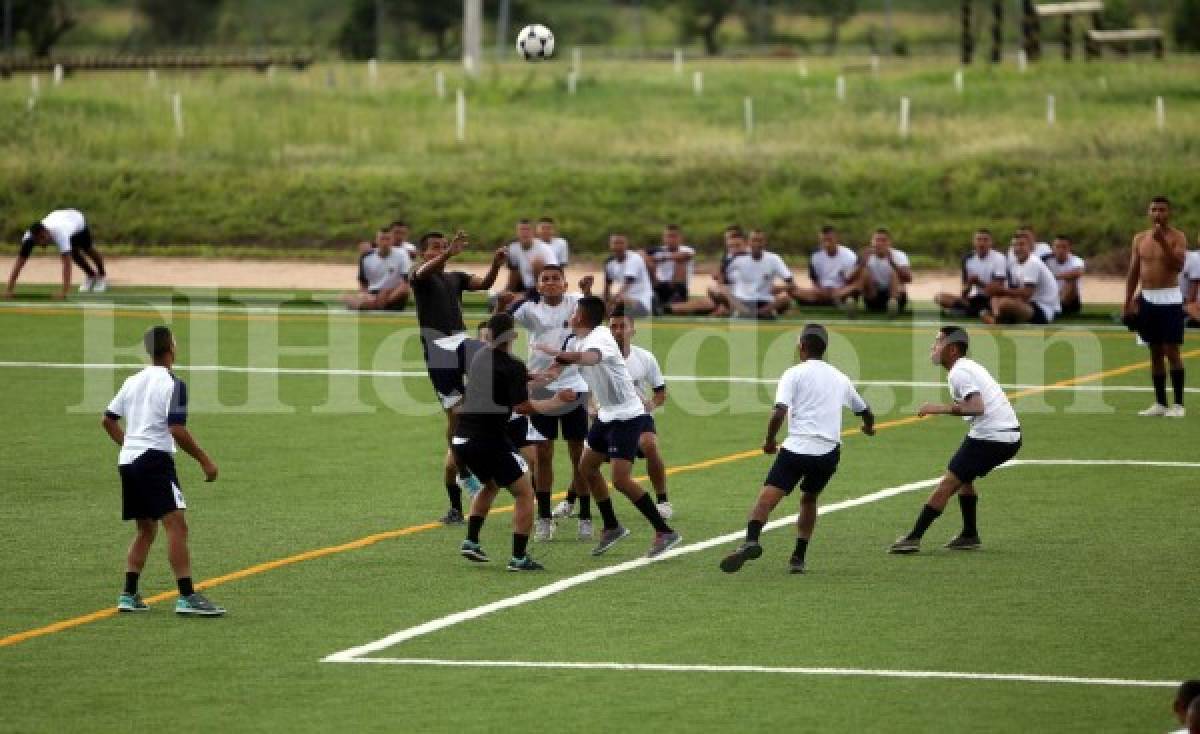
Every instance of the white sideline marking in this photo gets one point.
(356, 654)
(729, 379)
(861, 672)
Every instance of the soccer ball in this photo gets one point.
(535, 42)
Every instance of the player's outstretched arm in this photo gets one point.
(183, 437)
(584, 359)
(778, 415)
(546, 405)
(66, 278)
(18, 265)
(478, 283)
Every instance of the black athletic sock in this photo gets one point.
(1160, 389)
(1177, 385)
(801, 548)
(455, 495)
(131, 581)
(924, 520)
(185, 586)
(572, 496)
(585, 507)
(77, 256)
(647, 508)
(661, 497)
(607, 514)
(753, 530)
(474, 525)
(520, 543)
(967, 503)
(543, 504)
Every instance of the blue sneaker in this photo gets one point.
(131, 603)
(473, 552)
(524, 563)
(197, 605)
(469, 484)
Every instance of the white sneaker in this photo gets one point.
(585, 529)
(564, 509)
(1175, 411)
(1154, 411)
(543, 530)
(87, 285)
(665, 509)
(100, 285)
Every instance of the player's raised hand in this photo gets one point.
(210, 471)
(499, 257)
(586, 283)
(928, 409)
(459, 243)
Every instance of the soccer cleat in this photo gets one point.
(609, 538)
(796, 565)
(197, 605)
(131, 603)
(1154, 411)
(86, 285)
(732, 563)
(663, 542)
(524, 563)
(905, 545)
(585, 529)
(564, 509)
(964, 542)
(452, 517)
(665, 509)
(543, 529)
(469, 484)
(1175, 411)
(100, 285)
(473, 551)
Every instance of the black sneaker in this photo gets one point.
(732, 563)
(796, 564)
(905, 546)
(452, 517)
(964, 542)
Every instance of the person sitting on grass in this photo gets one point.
(673, 268)
(830, 268)
(984, 272)
(382, 277)
(1067, 268)
(1189, 285)
(716, 300)
(752, 277)
(883, 275)
(1031, 296)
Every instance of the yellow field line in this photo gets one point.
(411, 530)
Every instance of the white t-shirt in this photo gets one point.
(609, 380)
(382, 273)
(1073, 263)
(62, 224)
(149, 401)
(521, 260)
(1191, 272)
(633, 275)
(664, 266)
(548, 326)
(831, 271)
(560, 248)
(1045, 287)
(814, 393)
(987, 269)
(644, 370)
(998, 421)
(409, 248)
(751, 279)
(1041, 250)
(881, 270)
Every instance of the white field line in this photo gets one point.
(858, 672)
(357, 654)
(728, 379)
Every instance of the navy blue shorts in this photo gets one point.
(976, 457)
(490, 461)
(812, 473)
(1160, 323)
(149, 487)
(574, 421)
(447, 369)
(618, 439)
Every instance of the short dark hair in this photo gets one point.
(622, 235)
(593, 310)
(957, 335)
(984, 230)
(523, 220)
(1064, 237)
(828, 229)
(1189, 691)
(619, 312)
(883, 230)
(429, 237)
(398, 223)
(735, 229)
(158, 341)
(553, 266)
(1160, 199)
(502, 327)
(673, 228)
(814, 338)
(1025, 228)
(545, 220)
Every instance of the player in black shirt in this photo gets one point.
(498, 385)
(438, 296)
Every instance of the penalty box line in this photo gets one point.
(358, 654)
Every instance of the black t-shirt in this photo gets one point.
(496, 381)
(439, 301)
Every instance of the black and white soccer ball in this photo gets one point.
(535, 43)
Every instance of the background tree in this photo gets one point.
(837, 12)
(703, 18)
(44, 22)
(181, 21)
(1186, 24)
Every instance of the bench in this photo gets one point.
(1065, 11)
(1123, 41)
(1084, 7)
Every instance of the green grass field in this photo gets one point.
(1085, 571)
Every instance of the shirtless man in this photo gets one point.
(716, 302)
(1156, 311)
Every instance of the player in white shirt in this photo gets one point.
(883, 275)
(69, 232)
(1189, 285)
(674, 267)
(1067, 268)
(526, 258)
(830, 268)
(984, 273)
(620, 421)
(547, 235)
(810, 396)
(752, 278)
(382, 277)
(1031, 296)
(627, 279)
(153, 404)
(548, 322)
(1040, 250)
(994, 438)
(652, 388)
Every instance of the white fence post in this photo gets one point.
(959, 82)
(679, 61)
(577, 60)
(572, 80)
(152, 78)
(875, 64)
(58, 75)
(439, 84)
(35, 85)
(1050, 112)
(802, 69)
(698, 83)
(177, 112)
(905, 106)
(460, 116)
(1022, 60)
(841, 88)
(372, 72)
(1160, 112)
(748, 105)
